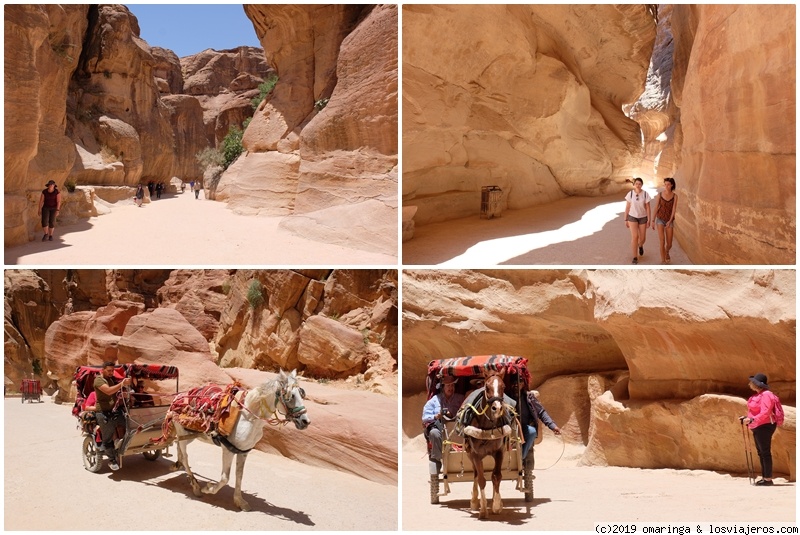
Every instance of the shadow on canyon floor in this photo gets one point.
(575, 230)
(178, 229)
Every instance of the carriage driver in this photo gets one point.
(106, 389)
(445, 404)
(531, 413)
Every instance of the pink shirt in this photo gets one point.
(760, 408)
(91, 401)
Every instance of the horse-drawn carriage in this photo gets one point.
(509, 374)
(142, 421)
(31, 390)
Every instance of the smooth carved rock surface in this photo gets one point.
(733, 80)
(333, 112)
(615, 355)
(528, 98)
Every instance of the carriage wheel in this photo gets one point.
(527, 476)
(92, 460)
(152, 455)
(434, 488)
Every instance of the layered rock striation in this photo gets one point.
(528, 98)
(645, 369)
(734, 83)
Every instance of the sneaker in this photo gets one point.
(50, 237)
(635, 260)
(764, 483)
(113, 465)
(44, 238)
(641, 251)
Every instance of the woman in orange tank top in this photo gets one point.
(666, 206)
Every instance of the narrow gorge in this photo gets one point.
(92, 106)
(549, 102)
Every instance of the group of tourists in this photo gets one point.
(638, 217)
(50, 202)
(762, 419)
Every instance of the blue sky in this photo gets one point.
(187, 29)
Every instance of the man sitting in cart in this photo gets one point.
(106, 389)
(530, 413)
(141, 398)
(444, 405)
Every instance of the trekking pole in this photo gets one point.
(748, 454)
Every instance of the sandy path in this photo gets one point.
(180, 230)
(572, 231)
(47, 488)
(569, 497)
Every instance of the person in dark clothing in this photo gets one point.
(761, 420)
(159, 189)
(531, 412)
(49, 207)
(106, 389)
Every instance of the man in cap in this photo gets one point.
(444, 405)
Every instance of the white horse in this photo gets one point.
(282, 395)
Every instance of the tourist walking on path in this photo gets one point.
(159, 189)
(637, 214)
(666, 206)
(197, 189)
(139, 195)
(49, 207)
(761, 419)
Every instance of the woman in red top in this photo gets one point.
(761, 420)
(49, 206)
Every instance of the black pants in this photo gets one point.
(108, 422)
(763, 437)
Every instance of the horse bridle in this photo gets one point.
(283, 396)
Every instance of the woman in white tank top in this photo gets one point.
(637, 214)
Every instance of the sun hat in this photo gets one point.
(449, 380)
(760, 380)
(49, 182)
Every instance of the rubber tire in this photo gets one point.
(434, 489)
(92, 459)
(152, 455)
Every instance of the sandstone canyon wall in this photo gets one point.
(330, 324)
(87, 101)
(528, 98)
(322, 147)
(646, 369)
(734, 82)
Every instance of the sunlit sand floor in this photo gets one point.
(572, 231)
(180, 230)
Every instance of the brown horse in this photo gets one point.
(486, 435)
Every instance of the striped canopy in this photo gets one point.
(475, 365)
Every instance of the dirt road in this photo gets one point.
(572, 497)
(572, 231)
(47, 488)
(179, 230)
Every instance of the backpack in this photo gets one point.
(777, 409)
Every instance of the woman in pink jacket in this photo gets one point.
(761, 420)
